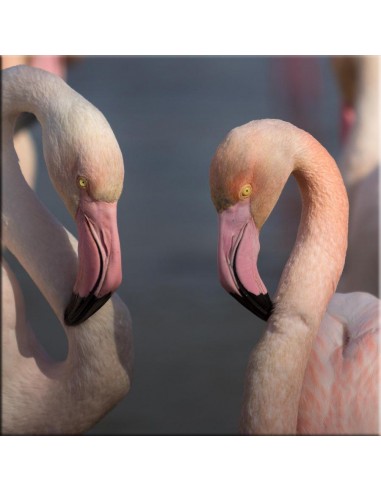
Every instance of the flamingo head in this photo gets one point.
(347, 72)
(86, 167)
(244, 193)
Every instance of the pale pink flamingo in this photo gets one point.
(316, 368)
(85, 164)
(358, 78)
(23, 141)
(27, 155)
(56, 64)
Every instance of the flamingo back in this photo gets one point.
(341, 384)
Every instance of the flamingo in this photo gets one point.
(316, 368)
(359, 162)
(23, 141)
(85, 164)
(26, 151)
(346, 73)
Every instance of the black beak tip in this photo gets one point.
(80, 308)
(261, 304)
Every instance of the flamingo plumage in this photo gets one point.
(316, 368)
(85, 164)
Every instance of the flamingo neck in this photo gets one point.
(45, 249)
(37, 92)
(313, 270)
(360, 155)
(30, 232)
(277, 364)
(100, 350)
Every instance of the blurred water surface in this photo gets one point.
(192, 340)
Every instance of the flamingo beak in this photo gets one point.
(99, 259)
(238, 249)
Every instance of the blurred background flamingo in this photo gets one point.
(359, 161)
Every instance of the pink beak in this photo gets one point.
(238, 249)
(99, 259)
(348, 118)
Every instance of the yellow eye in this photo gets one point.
(245, 191)
(82, 182)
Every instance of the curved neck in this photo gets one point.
(30, 232)
(313, 270)
(277, 364)
(99, 351)
(33, 91)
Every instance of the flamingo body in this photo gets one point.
(340, 387)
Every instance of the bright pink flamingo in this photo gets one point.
(85, 164)
(316, 368)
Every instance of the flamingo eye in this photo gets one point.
(82, 182)
(245, 191)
